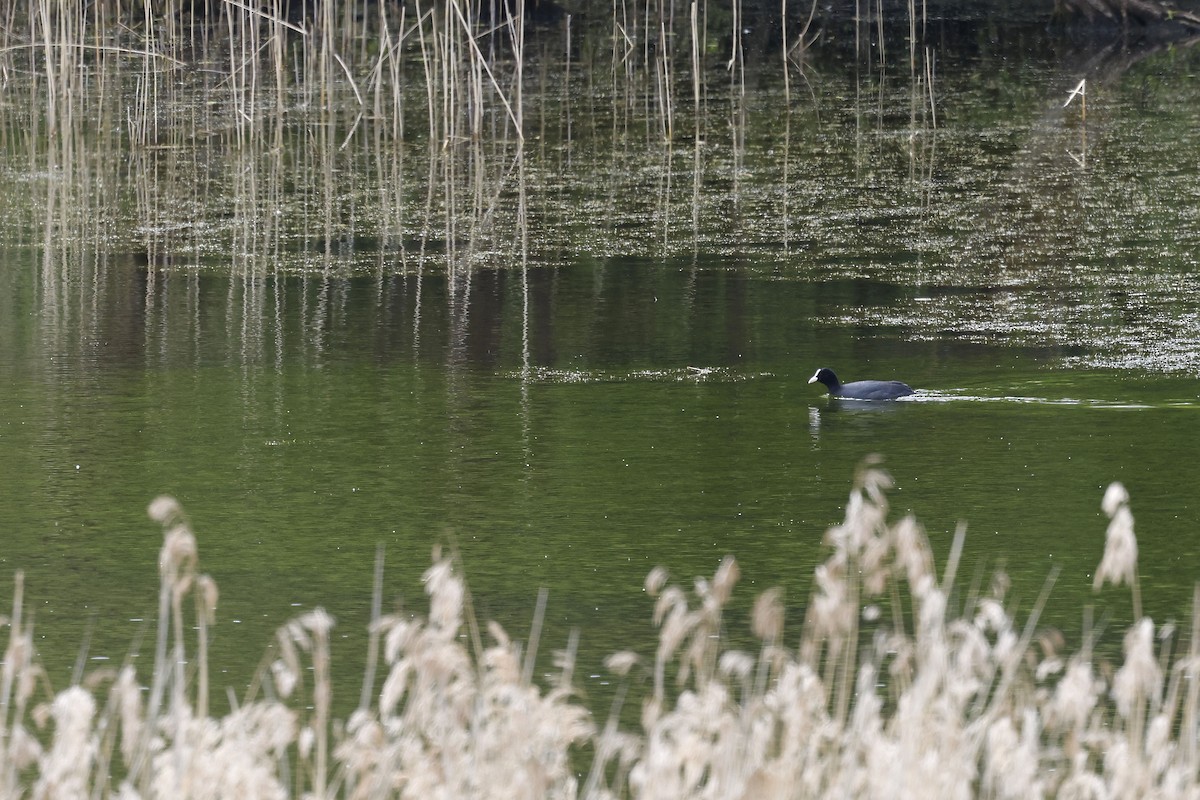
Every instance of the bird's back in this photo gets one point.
(874, 390)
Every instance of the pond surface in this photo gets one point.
(583, 358)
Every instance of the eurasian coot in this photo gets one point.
(860, 390)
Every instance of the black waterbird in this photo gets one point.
(860, 390)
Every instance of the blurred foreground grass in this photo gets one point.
(893, 687)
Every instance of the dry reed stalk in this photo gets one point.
(785, 50)
(236, 76)
(737, 61)
(695, 31)
(1080, 91)
(785, 204)
(930, 71)
(858, 24)
(429, 67)
(276, 42)
(368, 687)
(480, 65)
(474, 70)
(516, 28)
(206, 615)
(16, 685)
(797, 52)
(912, 41)
(663, 87)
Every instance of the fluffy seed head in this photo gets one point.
(1114, 497)
(767, 618)
(164, 509)
(723, 582)
(1119, 563)
(655, 580)
(1139, 677)
(620, 663)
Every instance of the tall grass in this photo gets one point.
(894, 685)
(277, 104)
(275, 57)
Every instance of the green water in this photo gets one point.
(629, 387)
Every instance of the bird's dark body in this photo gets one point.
(860, 390)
